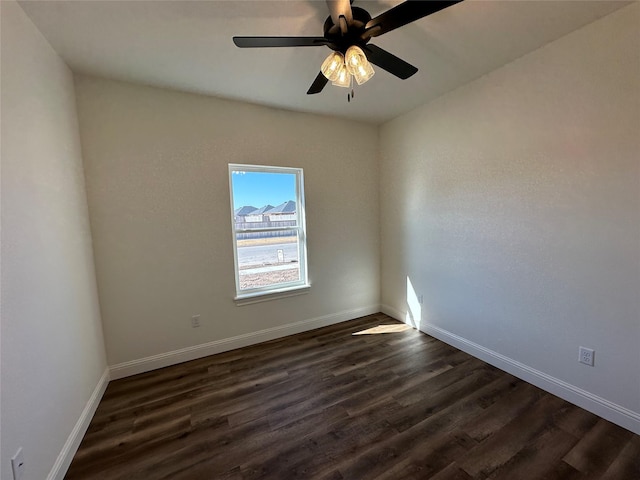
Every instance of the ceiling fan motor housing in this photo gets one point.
(354, 35)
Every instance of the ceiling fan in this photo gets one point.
(347, 32)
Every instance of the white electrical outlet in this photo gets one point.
(195, 321)
(17, 464)
(585, 355)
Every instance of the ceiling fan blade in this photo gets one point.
(340, 8)
(259, 42)
(318, 84)
(389, 62)
(402, 14)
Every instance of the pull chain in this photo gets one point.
(352, 93)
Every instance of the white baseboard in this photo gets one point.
(593, 403)
(70, 447)
(174, 357)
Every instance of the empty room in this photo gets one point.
(308, 239)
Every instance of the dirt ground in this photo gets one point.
(252, 242)
(254, 280)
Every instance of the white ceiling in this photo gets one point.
(187, 45)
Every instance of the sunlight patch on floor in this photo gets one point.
(384, 329)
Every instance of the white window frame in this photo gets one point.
(280, 289)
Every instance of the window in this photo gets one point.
(269, 238)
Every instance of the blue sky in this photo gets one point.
(259, 188)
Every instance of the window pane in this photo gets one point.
(268, 258)
(264, 199)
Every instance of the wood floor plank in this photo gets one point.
(598, 449)
(499, 448)
(563, 471)
(537, 458)
(424, 462)
(521, 396)
(577, 421)
(327, 405)
(451, 472)
(627, 463)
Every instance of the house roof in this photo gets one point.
(246, 210)
(262, 210)
(286, 207)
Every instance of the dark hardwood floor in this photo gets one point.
(328, 405)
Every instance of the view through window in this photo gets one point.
(268, 228)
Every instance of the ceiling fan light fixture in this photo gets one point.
(363, 73)
(354, 57)
(331, 66)
(343, 79)
(358, 65)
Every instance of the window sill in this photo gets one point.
(250, 298)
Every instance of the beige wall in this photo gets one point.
(513, 205)
(52, 347)
(158, 189)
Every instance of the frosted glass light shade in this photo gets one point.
(354, 57)
(358, 65)
(363, 73)
(331, 66)
(343, 78)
